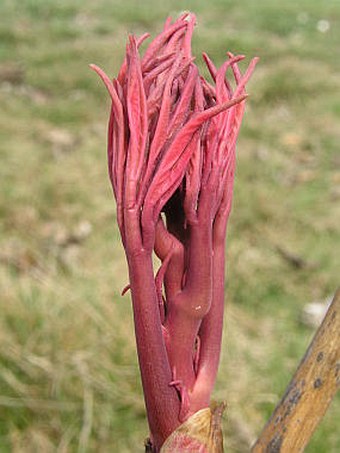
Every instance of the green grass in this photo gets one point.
(69, 380)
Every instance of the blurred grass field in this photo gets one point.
(69, 380)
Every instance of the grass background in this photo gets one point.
(69, 380)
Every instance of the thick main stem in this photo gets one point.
(161, 400)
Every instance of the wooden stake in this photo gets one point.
(309, 393)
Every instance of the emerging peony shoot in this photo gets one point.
(171, 157)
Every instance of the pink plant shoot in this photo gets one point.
(171, 159)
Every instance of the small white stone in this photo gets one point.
(323, 26)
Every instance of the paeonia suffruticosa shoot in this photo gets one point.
(171, 158)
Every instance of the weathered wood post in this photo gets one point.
(309, 393)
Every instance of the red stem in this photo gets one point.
(161, 400)
(186, 311)
(210, 334)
